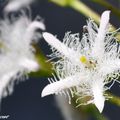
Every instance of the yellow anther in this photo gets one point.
(88, 63)
(83, 59)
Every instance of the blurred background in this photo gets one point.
(26, 103)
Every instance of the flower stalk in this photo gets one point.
(109, 6)
(81, 8)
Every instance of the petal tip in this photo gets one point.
(100, 105)
(46, 91)
(51, 40)
(47, 35)
(106, 15)
(106, 12)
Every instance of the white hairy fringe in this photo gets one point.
(100, 47)
(17, 57)
(15, 5)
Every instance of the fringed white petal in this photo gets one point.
(61, 85)
(64, 50)
(15, 5)
(98, 96)
(98, 48)
(109, 66)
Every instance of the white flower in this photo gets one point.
(15, 5)
(86, 65)
(16, 51)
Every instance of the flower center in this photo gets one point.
(88, 63)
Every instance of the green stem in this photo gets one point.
(114, 99)
(109, 6)
(81, 8)
(85, 10)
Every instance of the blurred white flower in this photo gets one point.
(86, 65)
(16, 51)
(15, 5)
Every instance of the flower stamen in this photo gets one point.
(88, 63)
